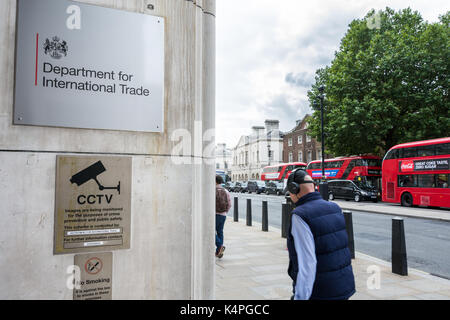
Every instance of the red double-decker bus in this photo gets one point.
(418, 173)
(281, 171)
(365, 168)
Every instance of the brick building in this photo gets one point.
(298, 146)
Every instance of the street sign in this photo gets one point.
(85, 66)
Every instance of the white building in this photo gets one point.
(251, 154)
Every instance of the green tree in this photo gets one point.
(387, 85)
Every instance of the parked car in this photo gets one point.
(256, 186)
(274, 187)
(229, 186)
(244, 187)
(346, 189)
(237, 186)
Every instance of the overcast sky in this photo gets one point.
(268, 52)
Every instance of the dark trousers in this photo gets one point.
(220, 223)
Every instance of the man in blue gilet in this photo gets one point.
(319, 257)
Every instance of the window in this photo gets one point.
(333, 164)
(309, 156)
(426, 181)
(443, 149)
(308, 138)
(300, 156)
(313, 166)
(291, 157)
(442, 181)
(408, 153)
(372, 163)
(290, 142)
(393, 154)
(319, 154)
(300, 139)
(426, 151)
(407, 181)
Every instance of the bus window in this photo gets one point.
(426, 151)
(426, 180)
(409, 153)
(443, 149)
(442, 180)
(407, 181)
(393, 154)
(372, 163)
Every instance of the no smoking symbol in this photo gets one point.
(93, 266)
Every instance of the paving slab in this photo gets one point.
(254, 267)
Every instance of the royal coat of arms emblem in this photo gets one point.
(56, 48)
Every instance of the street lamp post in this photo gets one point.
(323, 186)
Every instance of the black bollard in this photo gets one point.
(236, 209)
(323, 189)
(349, 226)
(249, 212)
(265, 217)
(399, 258)
(284, 209)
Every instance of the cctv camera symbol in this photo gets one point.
(91, 173)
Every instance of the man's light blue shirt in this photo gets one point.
(306, 256)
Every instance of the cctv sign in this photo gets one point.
(85, 66)
(93, 204)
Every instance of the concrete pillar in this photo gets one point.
(172, 219)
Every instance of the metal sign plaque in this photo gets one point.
(84, 66)
(93, 204)
(95, 277)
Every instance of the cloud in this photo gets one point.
(268, 54)
(302, 79)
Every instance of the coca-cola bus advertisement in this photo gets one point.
(418, 174)
(425, 165)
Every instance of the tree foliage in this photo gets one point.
(386, 85)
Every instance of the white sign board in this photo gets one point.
(84, 66)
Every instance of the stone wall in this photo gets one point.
(172, 220)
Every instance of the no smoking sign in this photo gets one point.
(93, 266)
(95, 278)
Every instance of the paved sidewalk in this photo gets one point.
(254, 267)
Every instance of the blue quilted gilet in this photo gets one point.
(334, 273)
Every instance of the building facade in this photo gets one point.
(299, 146)
(224, 158)
(263, 147)
(171, 255)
